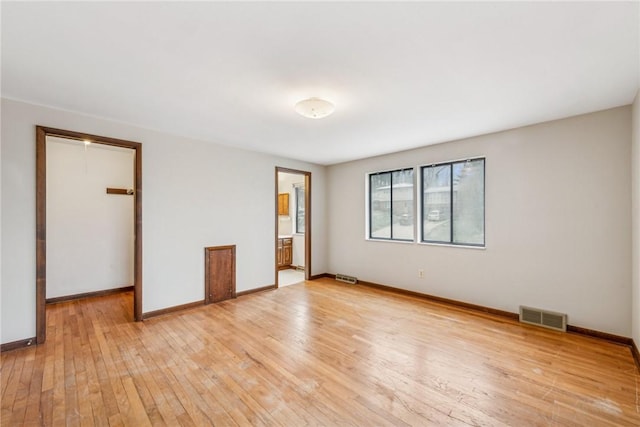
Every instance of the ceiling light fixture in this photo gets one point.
(314, 108)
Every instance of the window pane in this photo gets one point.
(300, 210)
(402, 204)
(468, 202)
(380, 208)
(436, 203)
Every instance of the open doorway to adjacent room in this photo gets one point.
(88, 219)
(293, 226)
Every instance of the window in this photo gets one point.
(391, 205)
(453, 203)
(299, 209)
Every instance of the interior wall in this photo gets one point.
(558, 223)
(297, 257)
(1, 187)
(635, 162)
(90, 234)
(195, 194)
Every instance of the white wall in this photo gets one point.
(1, 174)
(195, 194)
(635, 167)
(298, 250)
(557, 223)
(90, 234)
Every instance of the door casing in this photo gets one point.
(307, 221)
(41, 219)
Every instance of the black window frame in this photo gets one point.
(370, 202)
(451, 203)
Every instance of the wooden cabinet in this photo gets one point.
(285, 253)
(283, 204)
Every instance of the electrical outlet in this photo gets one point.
(421, 273)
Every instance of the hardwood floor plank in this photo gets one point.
(136, 415)
(13, 384)
(58, 398)
(151, 395)
(20, 401)
(72, 376)
(155, 353)
(46, 407)
(318, 353)
(6, 369)
(34, 385)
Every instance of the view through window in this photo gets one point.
(299, 209)
(391, 205)
(453, 202)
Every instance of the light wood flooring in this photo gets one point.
(316, 353)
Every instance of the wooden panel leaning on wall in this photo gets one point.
(322, 353)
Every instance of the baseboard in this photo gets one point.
(602, 335)
(168, 310)
(253, 291)
(322, 276)
(635, 353)
(616, 339)
(17, 344)
(187, 306)
(88, 295)
(448, 301)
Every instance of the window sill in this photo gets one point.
(448, 245)
(411, 242)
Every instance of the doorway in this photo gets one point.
(42, 135)
(293, 226)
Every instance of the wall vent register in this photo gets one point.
(546, 319)
(346, 279)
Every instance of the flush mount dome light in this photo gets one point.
(314, 108)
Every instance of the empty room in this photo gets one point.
(320, 213)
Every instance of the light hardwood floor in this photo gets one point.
(316, 353)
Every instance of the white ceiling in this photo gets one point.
(401, 75)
